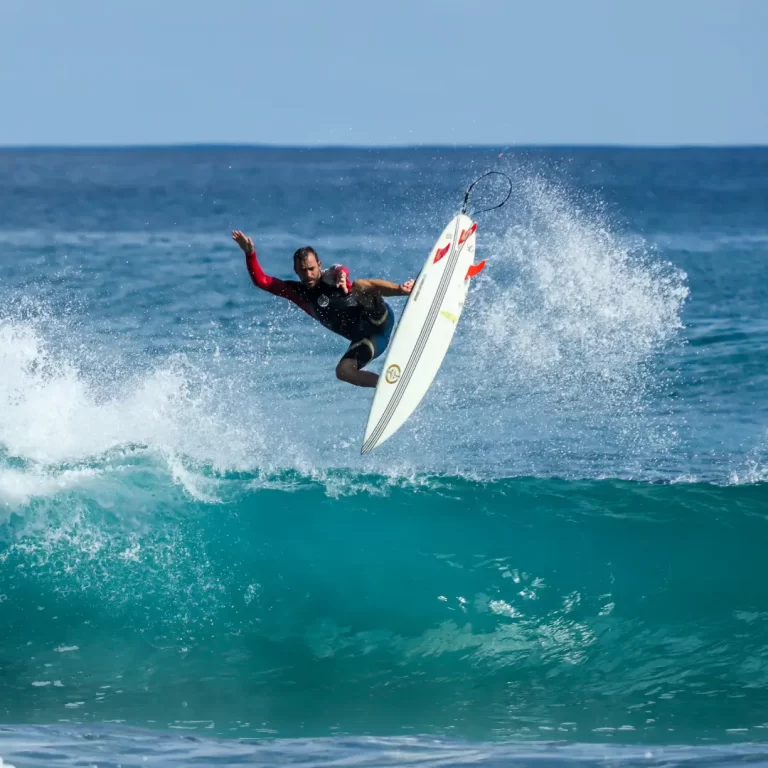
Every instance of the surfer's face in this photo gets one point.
(308, 270)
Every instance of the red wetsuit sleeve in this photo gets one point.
(271, 284)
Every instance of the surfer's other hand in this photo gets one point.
(407, 287)
(243, 241)
(341, 280)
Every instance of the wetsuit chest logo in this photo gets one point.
(323, 300)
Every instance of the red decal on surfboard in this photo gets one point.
(466, 233)
(439, 255)
(475, 269)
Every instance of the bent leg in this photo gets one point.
(348, 370)
(362, 351)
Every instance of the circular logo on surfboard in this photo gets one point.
(392, 374)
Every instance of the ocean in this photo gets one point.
(559, 559)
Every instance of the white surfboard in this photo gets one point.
(425, 330)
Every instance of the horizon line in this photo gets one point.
(373, 147)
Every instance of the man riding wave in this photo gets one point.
(355, 310)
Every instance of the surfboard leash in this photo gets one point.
(493, 207)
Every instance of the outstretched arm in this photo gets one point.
(259, 277)
(264, 281)
(382, 287)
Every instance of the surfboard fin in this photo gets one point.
(439, 255)
(475, 269)
(466, 234)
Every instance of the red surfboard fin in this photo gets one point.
(475, 269)
(466, 233)
(439, 255)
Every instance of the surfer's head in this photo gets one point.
(307, 266)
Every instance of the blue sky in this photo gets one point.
(318, 72)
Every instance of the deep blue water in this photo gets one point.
(560, 558)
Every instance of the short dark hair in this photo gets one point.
(303, 253)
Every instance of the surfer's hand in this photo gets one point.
(243, 241)
(407, 287)
(341, 280)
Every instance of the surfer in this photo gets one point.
(355, 310)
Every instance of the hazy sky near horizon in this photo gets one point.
(319, 72)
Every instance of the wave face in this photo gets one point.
(508, 608)
(565, 542)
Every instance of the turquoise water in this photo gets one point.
(565, 543)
